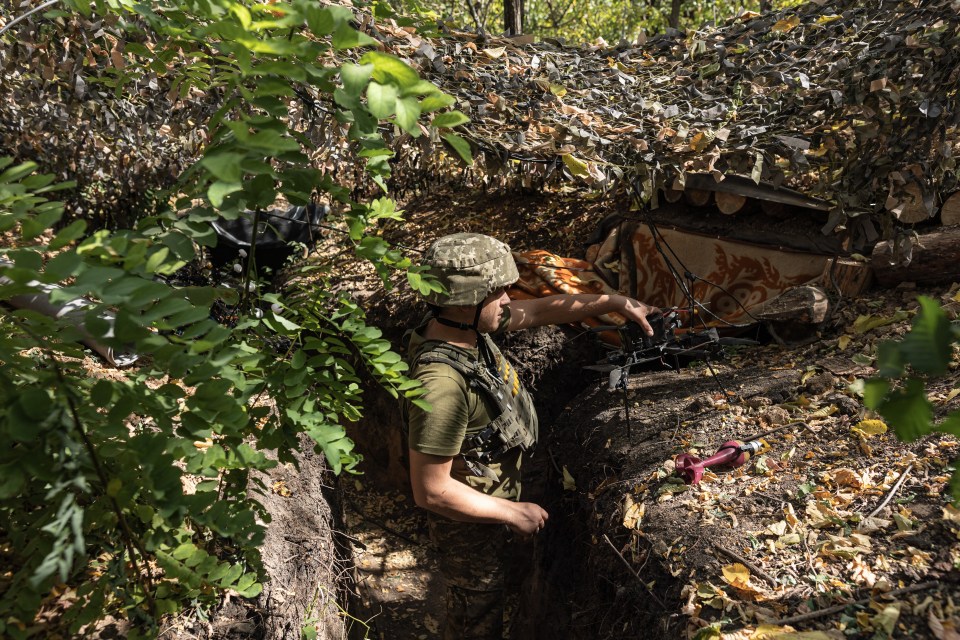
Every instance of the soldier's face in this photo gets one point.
(492, 310)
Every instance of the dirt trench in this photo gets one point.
(631, 552)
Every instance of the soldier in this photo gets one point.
(465, 453)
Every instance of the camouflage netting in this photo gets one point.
(845, 100)
(58, 108)
(855, 104)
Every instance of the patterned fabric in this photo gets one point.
(731, 277)
(470, 266)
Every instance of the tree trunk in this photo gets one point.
(935, 260)
(513, 17)
(675, 13)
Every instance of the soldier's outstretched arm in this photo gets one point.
(435, 490)
(566, 308)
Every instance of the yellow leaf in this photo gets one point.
(495, 53)
(737, 575)
(632, 512)
(843, 342)
(558, 90)
(827, 18)
(869, 428)
(577, 166)
(774, 632)
(951, 513)
(950, 396)
(782, 26)
(956, 296)
(569, 484)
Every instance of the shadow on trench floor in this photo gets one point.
(399, 593)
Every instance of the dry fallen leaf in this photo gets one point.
(869, 427)
(942, 629)
(845, 478)
(632, 512)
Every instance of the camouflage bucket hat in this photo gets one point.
(470, 266)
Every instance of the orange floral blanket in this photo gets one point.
(657, 266)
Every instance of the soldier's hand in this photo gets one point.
(638, 312)
(528, 519)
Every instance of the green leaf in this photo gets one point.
(220, 190)
(389, 69)
(322, 21)
(874, 391)
(461, 146)
(346, 37)
(15, 173)
(381, 100)
(909, 411)
(890, 361)
(355, 77)
(73, 231)
(449, 119)
(435, 101)
(927, 346)
(408, 112)
(225, 166)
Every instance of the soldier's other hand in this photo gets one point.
(638, 312)
(528, 519)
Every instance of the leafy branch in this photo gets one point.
(898, 391)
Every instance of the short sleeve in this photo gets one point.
(440, 432)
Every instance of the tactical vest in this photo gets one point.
(515, 424)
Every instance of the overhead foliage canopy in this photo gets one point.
(849, 101)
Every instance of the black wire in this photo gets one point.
(655, 232)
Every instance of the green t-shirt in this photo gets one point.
(459, 411)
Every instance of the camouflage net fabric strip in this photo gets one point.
(733, 277)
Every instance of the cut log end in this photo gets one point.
(697, 197)
(730, 203)
(672, 195)
(950, 212)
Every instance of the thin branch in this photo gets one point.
(893, 490)
(49, 3)
(813, 615)
(634, 573)
(754, 568)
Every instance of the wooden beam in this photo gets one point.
(729, 203)
(934, 260)
(950, 211)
